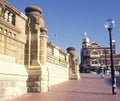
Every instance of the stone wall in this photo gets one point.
(13, 74)
(57, 63)
(28, 61)
(57, 73)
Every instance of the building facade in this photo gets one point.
(29, 62)
(94, 57)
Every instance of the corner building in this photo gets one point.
(93, 57)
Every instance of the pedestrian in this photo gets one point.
(102, 73)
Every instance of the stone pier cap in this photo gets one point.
(32, 8)
(70, 49)
(43, 29)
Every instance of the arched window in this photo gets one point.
(94, 54)
(94, 62)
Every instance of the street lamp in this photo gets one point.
(109, 24)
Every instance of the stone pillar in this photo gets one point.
(73, 64)
(43, 46)
(43, 60)
(37, 41)
(33, 14)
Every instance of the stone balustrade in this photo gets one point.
(56, 56)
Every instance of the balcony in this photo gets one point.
(94, 55)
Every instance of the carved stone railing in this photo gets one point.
(56, 56)
(12, 34)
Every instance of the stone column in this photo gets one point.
(43, 46)
(73, 64)
(37, 39)
(43, 60)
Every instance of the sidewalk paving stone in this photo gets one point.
(90, 87)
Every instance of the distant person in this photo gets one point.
(102, 72)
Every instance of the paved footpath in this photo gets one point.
(89, 88)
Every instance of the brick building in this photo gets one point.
(94, 56)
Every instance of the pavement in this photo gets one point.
(90, 87)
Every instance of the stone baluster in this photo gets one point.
(6, 15)
(10, 17)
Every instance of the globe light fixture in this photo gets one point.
(109, 24)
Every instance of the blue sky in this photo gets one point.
(69, 19)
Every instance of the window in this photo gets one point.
(94, 62)
(101, 52)
(102, 61)
(94, 54)
(118, 62)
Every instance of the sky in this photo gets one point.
(68, 20)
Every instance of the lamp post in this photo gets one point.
(109, 24)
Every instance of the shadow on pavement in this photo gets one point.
(93, 93)
(117, 81)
